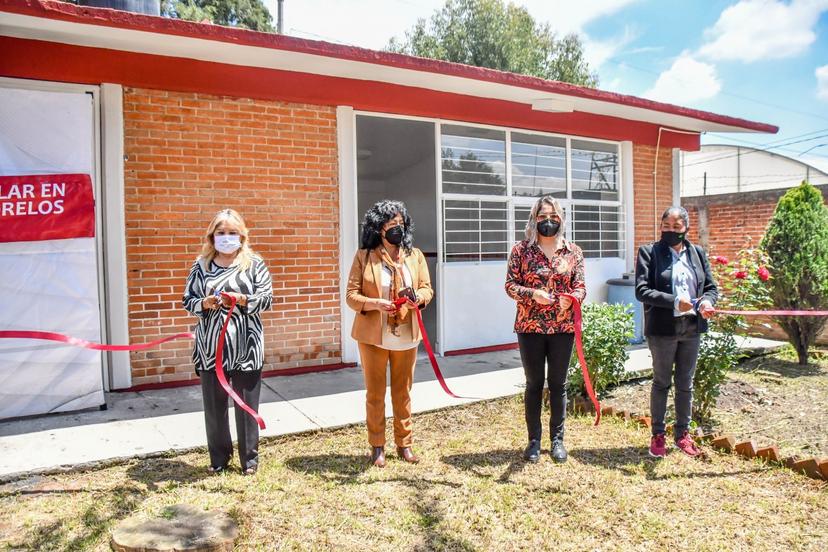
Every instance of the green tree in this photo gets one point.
(247, 14)
(490, 33)
(797, 245)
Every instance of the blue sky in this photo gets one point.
(765, 60)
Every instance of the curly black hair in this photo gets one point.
(376, 217)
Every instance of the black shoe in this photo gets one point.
(558, 451)
(532, 451)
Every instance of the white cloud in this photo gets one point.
(565, 16)
(371, 23)
(599, 51)
(753, 30)
(686, 81)
(822, 82)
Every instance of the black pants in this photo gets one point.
(248, 386)
(536, 351)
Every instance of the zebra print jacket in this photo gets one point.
(244, 343)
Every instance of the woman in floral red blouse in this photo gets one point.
(541, 267)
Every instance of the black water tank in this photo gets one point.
(149, 7)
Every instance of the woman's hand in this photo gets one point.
(706, 309)
(413, 304)
(542, 297)
(380, 305)
(211, 302)
(566, 302)
(241, 300)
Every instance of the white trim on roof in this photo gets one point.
(155, 43)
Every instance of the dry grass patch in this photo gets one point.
(470, 492)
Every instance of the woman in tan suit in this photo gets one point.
(385, 268)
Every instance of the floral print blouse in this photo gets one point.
(529, 269)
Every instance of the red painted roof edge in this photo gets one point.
(126, 20)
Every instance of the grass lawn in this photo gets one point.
(471, 491)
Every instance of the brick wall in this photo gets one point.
(647, 213)
(725, 223)
(190, 155)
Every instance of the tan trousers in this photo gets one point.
(375, 362)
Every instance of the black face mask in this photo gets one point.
(548, 228)
(672, 239)
(394, 235)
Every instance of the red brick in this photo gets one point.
(189, 155)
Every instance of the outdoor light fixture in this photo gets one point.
(555, 105)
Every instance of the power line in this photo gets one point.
(757, 150)
(738, 96)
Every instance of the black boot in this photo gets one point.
(558, 451)
(532, 451)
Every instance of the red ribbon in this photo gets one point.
(431, 356)
(74, 341)
(220, 368)
(579, 347)
(51, 336)
(773, 312)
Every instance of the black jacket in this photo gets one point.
(654, 286)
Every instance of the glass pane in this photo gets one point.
(538, 165)
(598, 230)
(594, 170)
(473, 160)
(475, 230)
(521, 217)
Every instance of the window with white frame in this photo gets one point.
(491, 177)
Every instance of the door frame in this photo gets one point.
(95, 92)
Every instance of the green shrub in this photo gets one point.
(797, 244)
(744, 284)
(607, 333)
(718, 354)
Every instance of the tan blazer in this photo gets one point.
(364, 283)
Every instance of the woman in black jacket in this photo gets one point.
(674, 281)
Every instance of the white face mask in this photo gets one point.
(227, 243)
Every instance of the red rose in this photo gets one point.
(764, 273)
(740, 274)
(721, 260)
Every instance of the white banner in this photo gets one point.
(48, 285)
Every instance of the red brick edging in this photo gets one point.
(816, 468)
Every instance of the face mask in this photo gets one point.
(672, 239)
(394, 235)
(548, 228)
(227, 243)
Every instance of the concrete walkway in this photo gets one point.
(153, 422)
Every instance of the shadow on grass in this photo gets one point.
(153, 472)
(430, 516)
(346, 469)
(93, 523)
(509, 459)
(632, 460)
(783, 367)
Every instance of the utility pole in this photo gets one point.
(280, 16)
(704, 192)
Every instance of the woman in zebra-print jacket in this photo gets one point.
(228, 265)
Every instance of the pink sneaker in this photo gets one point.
(688, 446)
(658, 447)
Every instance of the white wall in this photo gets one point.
(733, 169)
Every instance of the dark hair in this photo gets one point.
(376, 217)
(681, 212)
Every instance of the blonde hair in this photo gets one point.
(532, 224)
(208, 251)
